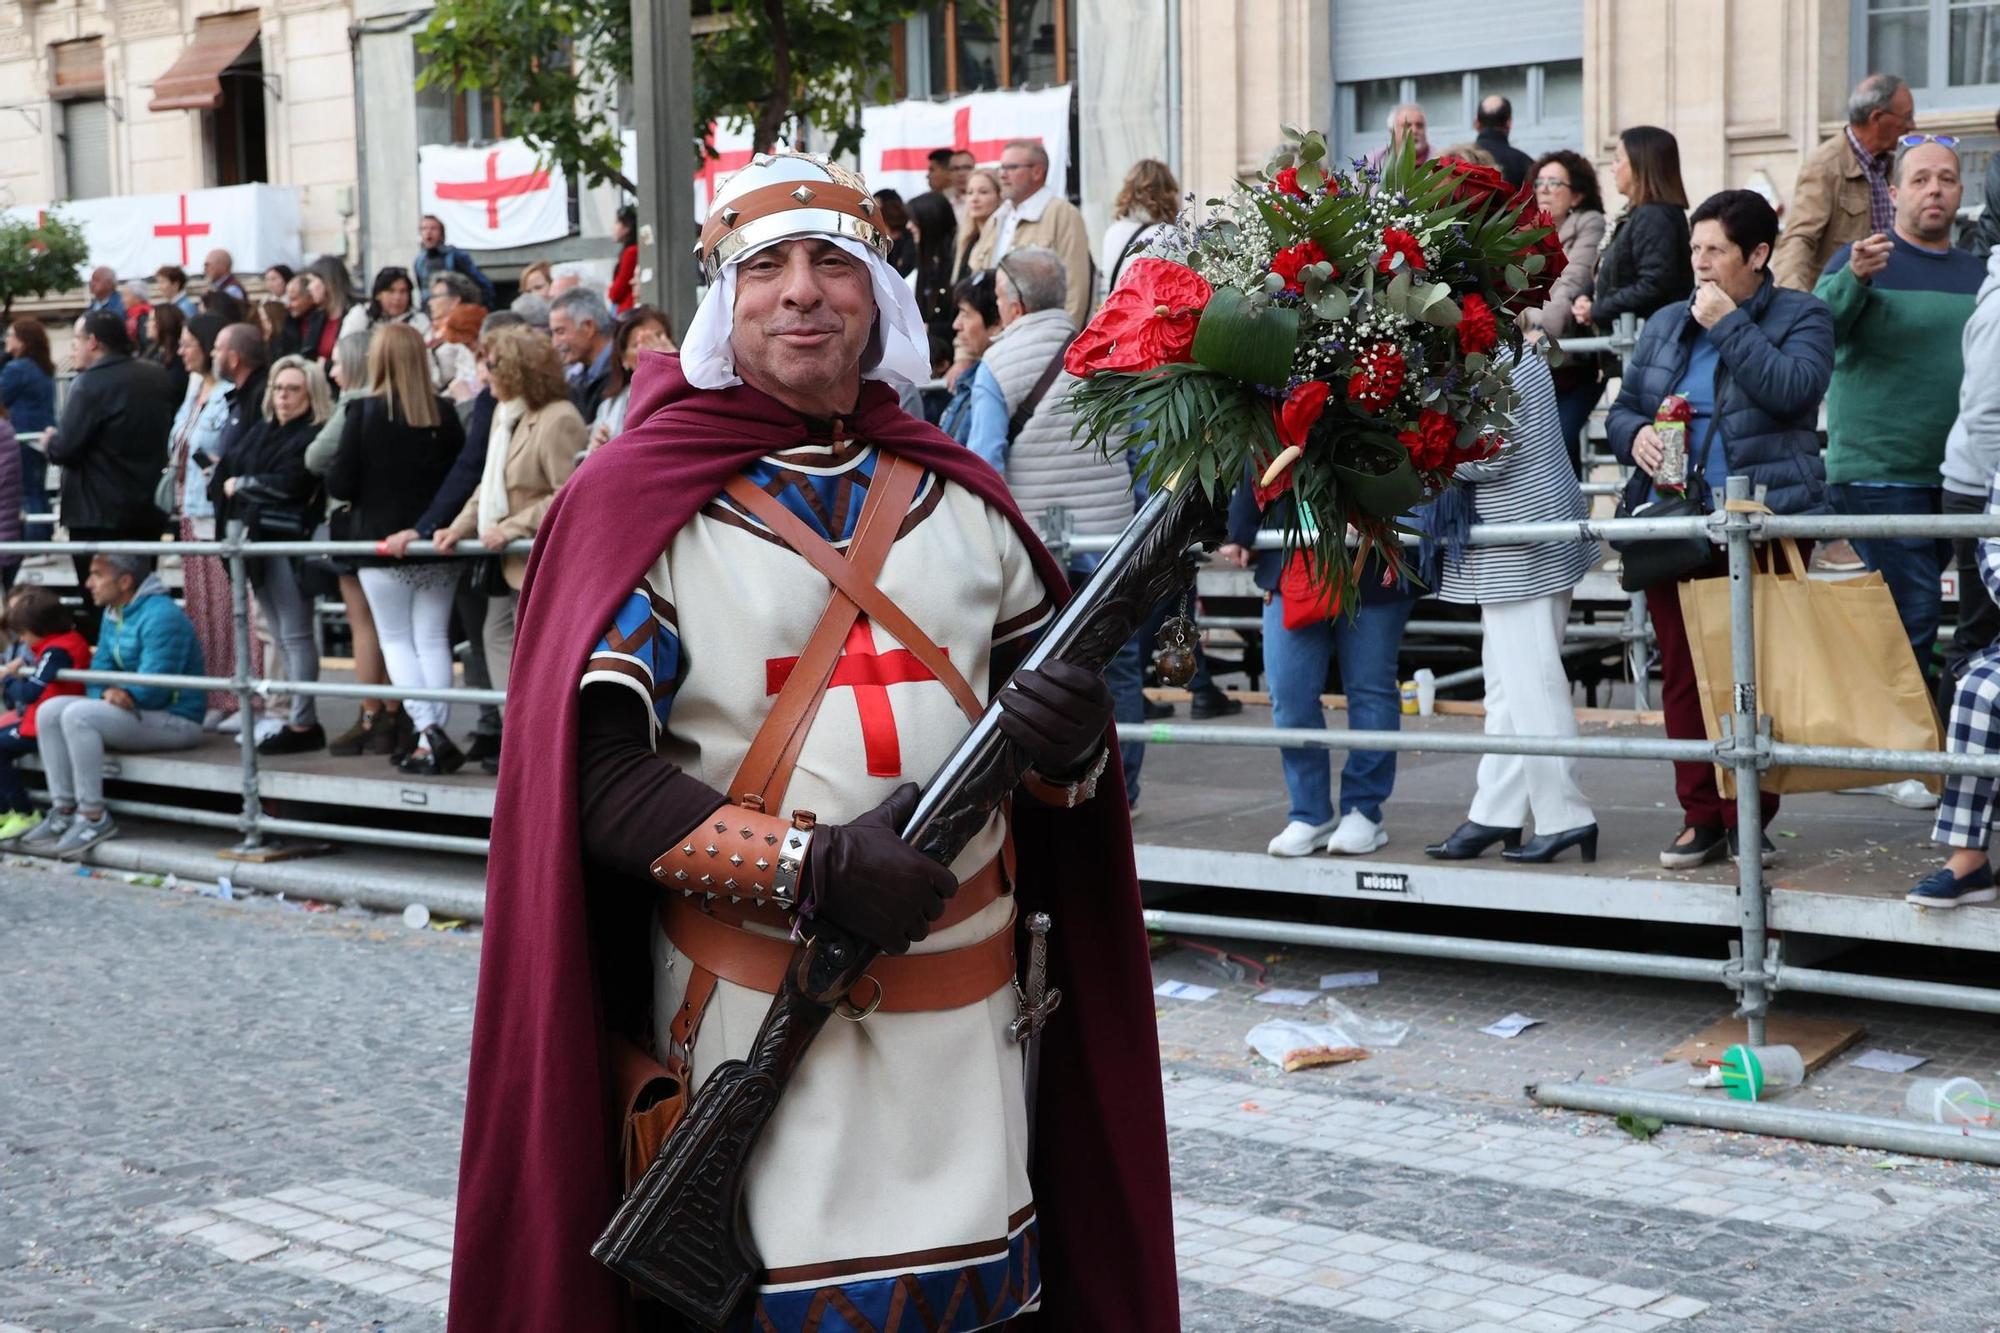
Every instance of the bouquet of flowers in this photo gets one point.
(1332, 333)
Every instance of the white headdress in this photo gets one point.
(782, 196)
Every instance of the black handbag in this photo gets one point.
(1649, 562)
(489, 576)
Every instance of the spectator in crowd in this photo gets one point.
(1754, 360)
(163, 347)
(242, 364)
(381, 727)
(452, 333)
(623, 293)
(262, 479)
(1495, 121)
(103, 288)
(194, 447)
(396, 447)
(37, 617)
(277, 281)
(28, 392)
(1405, 122)
(1971, 462)
(580, 327)
(1036, 215)
(137, 311)
(10, 499)
(1842, 194)
(535, 279)
(172, 280)
(218, 270)
(333, 296)
(938, 177)
(1645, 265)
(533, 308)
(469, 602)
(531, 449)
(641, 329)
(1965, 812)
(391, 300)
(974, 327)
(1149, 199)
(306, 323)
(274, 326)
(567, 277)
(1566, 191)
(1523, 596)
(934, 228)
(895, 216)
(112, 443)
(225, 307)
(1023, 425)
(963, 163)
(436, 257)
(1296, 662)
(144, 631)
(1900, 302)
(1982, 237)
(978, 232)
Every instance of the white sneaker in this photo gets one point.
(213, 719)
(1357, 836)
(1299, 838)
(267, 727)
(1909, 793)
(231, 725)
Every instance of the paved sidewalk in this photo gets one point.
(235, 1115)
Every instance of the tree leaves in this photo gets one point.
(38, 259)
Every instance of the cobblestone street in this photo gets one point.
(235, 1115)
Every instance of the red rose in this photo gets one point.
(1287, 182)
(1289, 261)
(1149, 321)
(1430, 444)
(1554, 261)
(1377, 378)
(1476, 330)
(1478, 183)
(1396, 241)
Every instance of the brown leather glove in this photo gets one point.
(1057, 714)
(864, 877)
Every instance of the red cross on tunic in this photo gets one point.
(869, 674)
(982, 150)
(494, 187)
(183, 230)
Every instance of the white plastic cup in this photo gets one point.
(1947, 1101)
(1427, 691)
(1761, 1069)
(1677, 1077)
(416, 916)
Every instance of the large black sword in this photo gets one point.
(679, 1235)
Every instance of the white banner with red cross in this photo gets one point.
(134, 234)
(493, 197)
(897, 140)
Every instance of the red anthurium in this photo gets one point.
(1148, 322)
(1294, 419)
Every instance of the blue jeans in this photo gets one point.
(1126, 675)
(1573, 405)
(1910, 565)
(13, 795)
(1296, 661)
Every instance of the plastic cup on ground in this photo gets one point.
(416, 916)
(1677, 1077)
(1426, 691)
(1947, 1101)
(1748, 1072)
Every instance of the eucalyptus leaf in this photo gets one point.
(1333, 304)
(1443, 314)
(1274, 283)
(1397, 294)
(1516, 279)
(1535, 263)
(1475, 362)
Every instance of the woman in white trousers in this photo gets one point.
(1523, 595)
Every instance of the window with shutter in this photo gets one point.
(87, 148)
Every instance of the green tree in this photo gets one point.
(38, 258)
(553, 66)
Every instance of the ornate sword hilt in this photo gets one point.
(1037, 1000)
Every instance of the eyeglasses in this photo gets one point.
(1551, 182)
(1015, 166)
(288, 388)
(1941, 140)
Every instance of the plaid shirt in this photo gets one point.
(1881, 212)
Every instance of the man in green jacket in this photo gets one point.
(144, 631)
(1900, 302)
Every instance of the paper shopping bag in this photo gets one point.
(1833, 668)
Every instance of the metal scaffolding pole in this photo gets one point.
(246, 696)
(1743, 753)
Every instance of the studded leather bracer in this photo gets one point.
(741, 853)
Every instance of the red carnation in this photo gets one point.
(1288, 262)
(1148, 322)
(1476, 330)
(1377, 378)
(1287, 182)
(1430, 444)
(1396, 241)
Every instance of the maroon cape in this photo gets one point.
(565, 951)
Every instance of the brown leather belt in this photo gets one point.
(909, 983)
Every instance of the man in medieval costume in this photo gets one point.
(713, 745)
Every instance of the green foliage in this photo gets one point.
(554, 66)
(38, 259)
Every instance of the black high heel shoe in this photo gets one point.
(1547, 846)
(1470, 839)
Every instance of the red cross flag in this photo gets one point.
(134, 234)
(493, 197)
(896, 140)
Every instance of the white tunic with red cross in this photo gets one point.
(894, 1174)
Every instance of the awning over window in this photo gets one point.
(194, 82)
